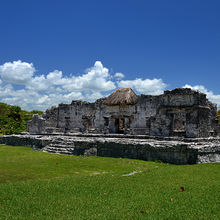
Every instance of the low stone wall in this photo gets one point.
(169, 150)
(25, 140)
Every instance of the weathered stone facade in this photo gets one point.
(179, 112)
(176, 150)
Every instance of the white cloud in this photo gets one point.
(146, 86)
(73, 96)
(119, 75)
(97, 78)
(41, 92)
(46, 90)
(210, 95)
(25, 98)
(56, 78)
(5, 90)
(30, 99)
(93, 96)
(43, 99)
(38, 83)
(17, 72)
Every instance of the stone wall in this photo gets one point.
(169, 150)
(37, 125)
(184, 112)
(179, 112)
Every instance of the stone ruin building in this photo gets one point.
(179, 112)
(179, 126)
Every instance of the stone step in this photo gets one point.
(65, 143)
(61, 146)
(69, 143)
(59, 149)
(57, 152)
(57, 143)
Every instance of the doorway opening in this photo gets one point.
(179, 124)
(120, 125)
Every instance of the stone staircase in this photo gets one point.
(59, 146)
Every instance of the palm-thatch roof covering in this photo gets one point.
(121, 96)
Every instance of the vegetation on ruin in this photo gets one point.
(218, 116)
(13, 119)
(38, 185)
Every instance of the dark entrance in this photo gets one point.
(119, 125)
(87, 124)
(87, 121)
(179, 124)
(67, 124)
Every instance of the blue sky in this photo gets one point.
(56, 51)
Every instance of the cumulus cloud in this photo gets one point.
(41, 92)
(73, 96)
(93, 96)
(210, 95)
(17, 72)
(20, 86)
(30, 99)
(145, 86)
(22, 97)
(119, 75)
(48, 82)
(97, 78)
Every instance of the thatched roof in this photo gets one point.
(121, 96)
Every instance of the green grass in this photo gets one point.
(37, 185)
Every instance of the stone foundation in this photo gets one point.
(174, 150)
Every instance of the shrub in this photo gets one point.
(13, 119)
(218, 116)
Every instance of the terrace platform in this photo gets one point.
(175, 150)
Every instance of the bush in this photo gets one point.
(13, 119)
(218, 116)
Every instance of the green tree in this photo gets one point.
(13, 119)
(218, 115)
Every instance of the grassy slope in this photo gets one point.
(37, 185)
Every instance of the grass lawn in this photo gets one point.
(37, 185)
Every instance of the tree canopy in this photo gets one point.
(13, 119)
(218, 116)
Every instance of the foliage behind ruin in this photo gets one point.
(13, 119)
(218, 116)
